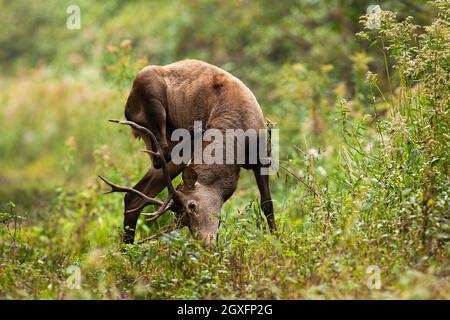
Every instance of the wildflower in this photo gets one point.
(112, 49)
(371, 78)
(125, 45)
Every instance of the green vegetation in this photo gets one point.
(365, 144)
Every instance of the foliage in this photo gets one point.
(363, 185)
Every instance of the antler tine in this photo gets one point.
(141, 206)
(159, 153)
(150, 152)
(117, 188)
(164, 208)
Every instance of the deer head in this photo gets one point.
(195, 205)
(198, 207)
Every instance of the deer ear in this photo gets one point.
(189, 177)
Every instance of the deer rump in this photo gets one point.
(165, 98)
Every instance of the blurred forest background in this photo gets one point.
(362, 198)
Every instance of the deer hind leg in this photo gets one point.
(151, 184)
(266, 199)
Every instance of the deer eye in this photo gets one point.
(191, 205)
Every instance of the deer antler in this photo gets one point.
(173, 194)
(163, 209)
(117, 188)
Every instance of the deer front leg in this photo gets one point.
(266, 199)
(151, 184)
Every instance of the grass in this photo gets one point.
(362, 201)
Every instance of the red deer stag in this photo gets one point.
(165, 98)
